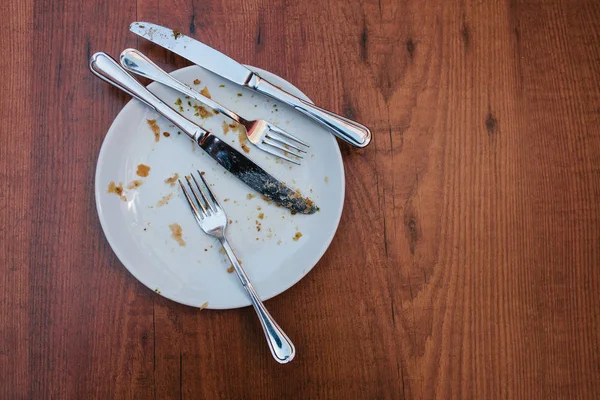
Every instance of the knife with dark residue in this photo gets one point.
(106, 68)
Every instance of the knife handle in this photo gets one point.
(349, 131)
(106, 68)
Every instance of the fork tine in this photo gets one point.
(200, 202)
(214, 200)
(277, 129)
(277, 137)
(280, 154)
(280, 147)
(209, 203)
(195, 210)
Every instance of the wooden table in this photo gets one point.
(467, 261)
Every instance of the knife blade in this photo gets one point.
(210, 59)
(106, 68)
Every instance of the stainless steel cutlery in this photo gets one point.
(106, 68)
(213, 221)
(210, 59)
(261, 133)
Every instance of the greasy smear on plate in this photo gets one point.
(202, 111)
(243, 138)
(196, 81)
(204, 92)
(165, 200)
(203, 306)
(155, 129)
(134, 184)
(143, 170)
(116, 189)
(176, 233)
(225, 128)
(297, 236)
(171, 181)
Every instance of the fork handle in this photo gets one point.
(281, 346)
(347, 130)
(106, 68)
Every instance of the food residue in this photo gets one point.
(227, 199)
(177, 34)
(171, 181)
(143, 170)
(179, 103)
(203, 306)
(155, 129)
(221, 85)
(239, 95)
(166, 134)
(165, 200)
(258, 226)
(196, 81)
(243, 138)
(202, 112)
(225, 128)
(279, 242)
(204, 92)
(249, 196)
(116, 189)
(326, 179)
(230, 269)
(157, 290)
(176, 233)
(134, 184)
(297, 236)
(261, 216)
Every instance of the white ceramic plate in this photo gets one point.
(138, 228)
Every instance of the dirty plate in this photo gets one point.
(151, 229)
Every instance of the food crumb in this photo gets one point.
(157, 290)
(166, 134)
(143, 170)
(230, 222)
(165, 200)
(257, 239)
(230, 269)
(326, 179)
(297, 236)
(279, 242)
(239, 95)
(203, 306)
(176, 33)
(176, 233)
(171, 181)
(261, 216)
(225, 128)
(222, 251)
(221, 85)
(249, 196)
(116, 189)
(204, 92)
(202, 112)
(226, 199)
(196, 81)
(134, 184)
(155, 129)
(243, 138)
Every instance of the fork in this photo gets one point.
(261, 133)
(213, 221)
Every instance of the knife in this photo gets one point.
(208, 58)
(107, 69)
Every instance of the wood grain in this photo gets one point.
(467, 262)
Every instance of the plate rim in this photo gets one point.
(121, 257)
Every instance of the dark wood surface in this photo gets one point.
(467, 262)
